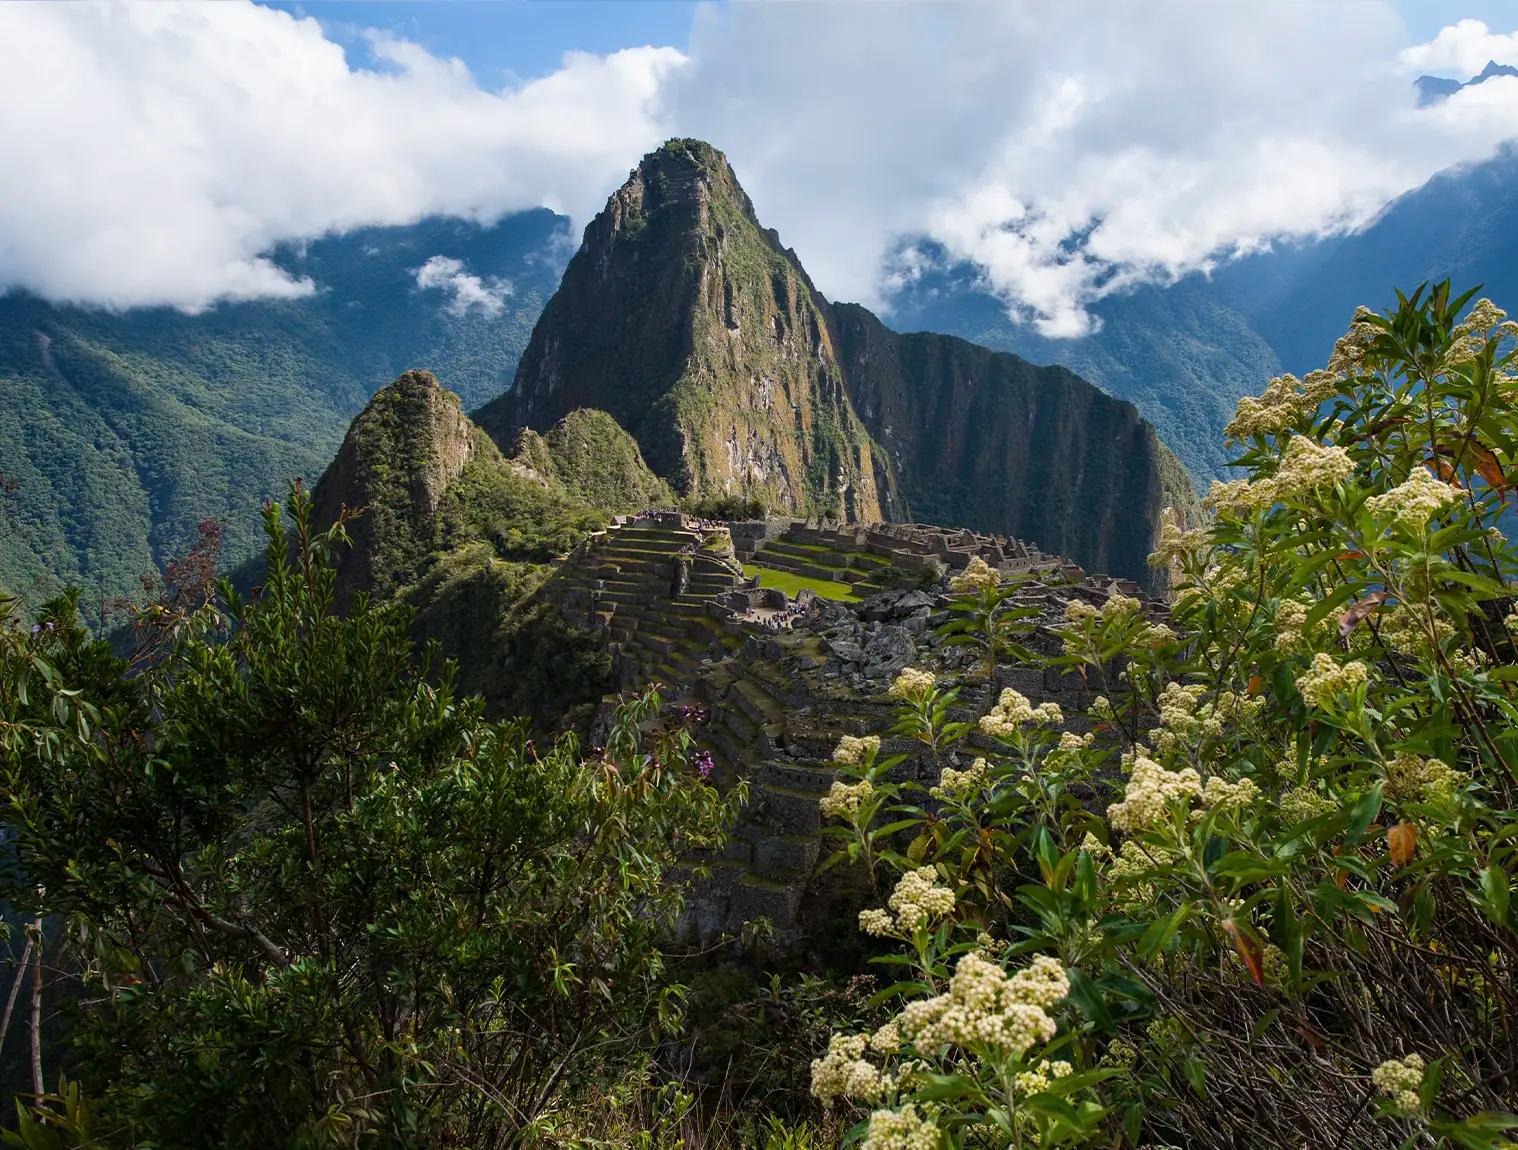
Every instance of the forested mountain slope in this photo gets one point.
(120, 431)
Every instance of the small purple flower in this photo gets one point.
(36, 628)
(704, 765)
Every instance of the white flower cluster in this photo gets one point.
(1132, 870)
(1234, 499)
(886, 1040)
(918, 899)
(1175, 546)
(912, 685)
(852, 751)
(1472, 333)
(1285, 401)
(1221, 795)
(1095, 847)
(1306, 467)
(1116, 607)
(1082, 617)
(1351, 346)
(1414, 630)
(1399, 1079)
(1177, 705)
(1036, 1080)
(978, 576)
(1291, 625)
(844, 1072)
(843, 800)
(985, 1008)
(902, 1129)
(1326, 680)
(1415, 500)
(955, 786)
(1151, 790)
(1013, 711)
(1411, 776)
(1302, 803)
(876, 922)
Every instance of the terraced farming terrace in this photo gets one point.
(787, 635)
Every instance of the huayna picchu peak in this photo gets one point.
(701, 334)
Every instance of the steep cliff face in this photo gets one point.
(985, 440)
(700, 334)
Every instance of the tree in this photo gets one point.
(316, 899)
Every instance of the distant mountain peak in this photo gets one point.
(1433, 89)
(1495, 69)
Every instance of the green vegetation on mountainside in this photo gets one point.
(688, 322)
(464, 535)
(589, 454)
(120, 432)
(985, 440)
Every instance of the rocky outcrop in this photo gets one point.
(396, 462)
(988, 441)
(702, 335)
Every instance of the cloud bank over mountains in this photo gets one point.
(154, 151)
(1068, 149)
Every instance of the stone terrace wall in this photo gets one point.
(778, 701)
(778, 707)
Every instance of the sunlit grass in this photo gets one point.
(791, 583)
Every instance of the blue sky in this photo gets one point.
(503, 41)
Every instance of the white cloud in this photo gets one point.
(152, 151)
(1461, 50)
(1069, 148)
(463, 289)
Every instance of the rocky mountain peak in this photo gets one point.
(702, 336)
(700, 333)
(400, 454)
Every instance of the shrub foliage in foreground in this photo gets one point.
(315, 898)
(1294, 925)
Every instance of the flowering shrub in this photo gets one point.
(1266, 902)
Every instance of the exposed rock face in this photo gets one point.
(396, 462)
(988, 441)
(703, 336)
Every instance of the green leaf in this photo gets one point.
(1364, 811)
(1494, 891)
(1159, 933)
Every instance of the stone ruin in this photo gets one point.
(781, 679)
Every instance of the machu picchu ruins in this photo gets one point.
(780, 677)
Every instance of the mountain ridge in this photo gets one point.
(694, 327)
